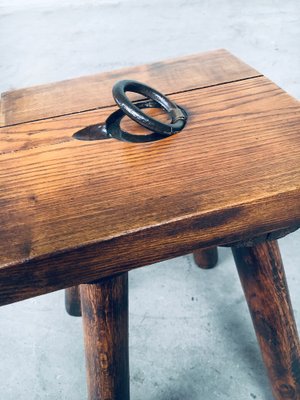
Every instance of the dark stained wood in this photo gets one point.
(206, 258)
(263, 279)
(105, 323)
(91, 92)
(72, 301)
(266, 237)
(68, 204)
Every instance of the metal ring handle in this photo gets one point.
(178, 117)
(113, 129)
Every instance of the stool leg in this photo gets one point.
(263, 279)
(104, 307)
(206, 258)
(72, 301)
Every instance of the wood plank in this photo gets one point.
(60, 129)
(65, 206)
(91, 92)
(49, 131)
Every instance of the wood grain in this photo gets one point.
(105, 326)
(215, 106)
(72, 301)
(91, 92)
(263, 279)
(233, 173)
(206, 258)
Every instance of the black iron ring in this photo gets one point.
(178, 116)
(113, 130)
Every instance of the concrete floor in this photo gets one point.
(191, 336)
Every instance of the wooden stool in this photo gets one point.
(85, 213)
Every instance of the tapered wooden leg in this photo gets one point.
(72, 301)
(104, 307)
(206, 258)
(263, 279)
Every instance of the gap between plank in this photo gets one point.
(112, 105)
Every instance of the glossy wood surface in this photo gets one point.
(233, 173)
(91, 92)
(105, 326)
(263, 279)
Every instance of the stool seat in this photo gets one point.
(231, 174)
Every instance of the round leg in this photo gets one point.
(72, 301)
(206, 258)
(263, 279)
(105, 323)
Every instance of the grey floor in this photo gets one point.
(191, 336)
